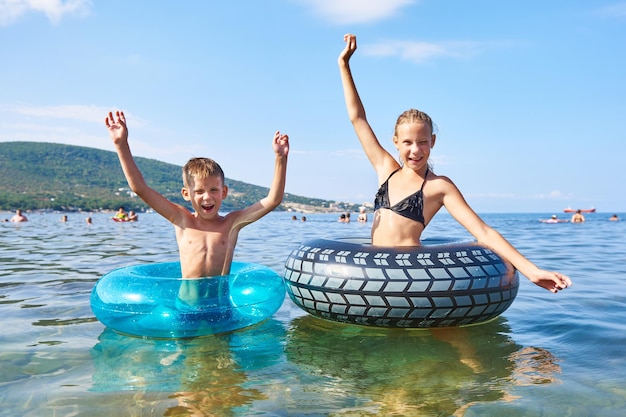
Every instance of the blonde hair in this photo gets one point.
(201, 168)
(414, 116)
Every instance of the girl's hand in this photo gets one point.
(281, 144)
(349, 49)
(551, 281)
(117, 128)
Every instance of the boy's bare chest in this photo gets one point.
(203, 241)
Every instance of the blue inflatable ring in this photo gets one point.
(153, 301)
(413, 287)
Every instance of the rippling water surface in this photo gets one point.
(548, 355)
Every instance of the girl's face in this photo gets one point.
(206, 195)
(414, 141)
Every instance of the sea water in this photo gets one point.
(547, 355)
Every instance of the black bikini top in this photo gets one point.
(411, 207)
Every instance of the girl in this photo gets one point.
(410, 194)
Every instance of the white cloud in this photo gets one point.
(83, 125)
(421, 52)
(439, 160)
(495, 196)
(55, 10)
(36, 130)
(356, 11)
(553, 195)
(74, 112)
(84, 113)
(351, 153)
(617, 10)
(356, 153)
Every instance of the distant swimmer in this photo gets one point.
(120, 215)
(18, 217)
(132, 216)
(614, 218)
(362, 215)
(554, 219)
(578, 217)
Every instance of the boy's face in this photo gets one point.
(205, 195)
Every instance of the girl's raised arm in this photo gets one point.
(381, 160)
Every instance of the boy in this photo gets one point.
(206, 240)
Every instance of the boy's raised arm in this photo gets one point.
(118, 132)
(277, 189)
(275, 194)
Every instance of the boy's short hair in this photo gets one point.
(201, 168)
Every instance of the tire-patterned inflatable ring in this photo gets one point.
(425, 286)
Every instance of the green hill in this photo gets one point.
(36, 176)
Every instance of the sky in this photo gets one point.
(529, 98)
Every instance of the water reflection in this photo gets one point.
(201, 376)
(50, 366)
(421, 372)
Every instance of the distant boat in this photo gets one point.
(571, 210)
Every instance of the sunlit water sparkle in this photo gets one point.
(548, 355)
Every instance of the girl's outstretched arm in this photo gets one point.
(459, 209)
(381, 160)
